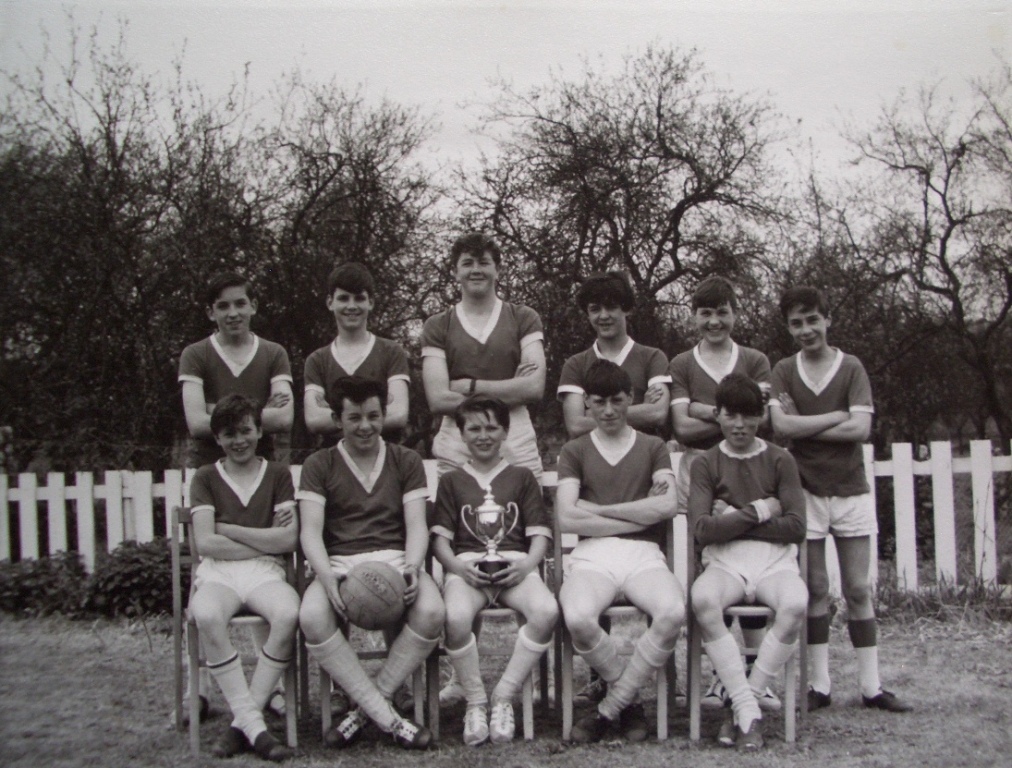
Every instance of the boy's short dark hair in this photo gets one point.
(606, 379)
(351, 277)
(609, 289)
(804, 296)
(223, 280)
(476, 244)
(714, 292)
(737, 393)
(492, 407)
(231, 411)
(358, 389)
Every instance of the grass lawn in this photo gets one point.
(81, 693)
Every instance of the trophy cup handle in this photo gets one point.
(464, 512)
(511, 507)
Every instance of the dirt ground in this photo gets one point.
(81, 694)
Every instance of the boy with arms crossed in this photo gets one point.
(616, 489)
(487, 346)
(234, 360)
(747, 510)
(608, 300)
(484, 423)
(822, 402)
(243, 517)
(354, 351)
(363, 500)
(695, 375)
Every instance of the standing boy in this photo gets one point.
(243, 518)
(487, 346)
(234, 360)
(363, 500)
(822, 402)
(747, 511)
(608, 300)
(695, 375)
(484, 423)
(616, 489)
(354, 351)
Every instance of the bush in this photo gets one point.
(55, 584)
(134, 580)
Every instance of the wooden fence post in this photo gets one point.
(85, 489)
(906, 525)
(943, 501)
(981, 471)
(28, 515)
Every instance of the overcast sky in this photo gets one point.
(819, 61)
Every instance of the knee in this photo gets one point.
(458, 623)
(581, 623)
(427, 617)
(705, 605)
(818, 585)
(543, 615)
(317, 620)
(857, 593)
(207, 616)
(667, 620)
(285, 618)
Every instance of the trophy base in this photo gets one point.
(492, 567)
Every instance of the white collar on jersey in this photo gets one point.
(351, 363)
(818, 386)
(479, 334)
(484, 479)
(367, 481)
(236, 368)
(244, 494)
(760, 447)
(714, 373)
(620, 357)
(613, 454)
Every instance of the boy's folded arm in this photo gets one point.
(279, 418)
(856, 429)
(795, 426)
(210, 543)
(576, 516)
(318, 414)
(688, 427)
(728, 526)
(272, 541)
(198, 419)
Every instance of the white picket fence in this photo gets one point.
(134, 506)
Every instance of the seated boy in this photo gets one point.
(364, 500)
(243, 518)
(617, 490)
(354, 351)
(747, 510)
(483, 423)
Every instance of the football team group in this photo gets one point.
(363, 497)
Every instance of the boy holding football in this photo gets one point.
(747, 511)
(616, 490)
(484, 423)
(822, 402)
(243, 518)
(364, 500)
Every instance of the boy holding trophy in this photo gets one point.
(490, 530)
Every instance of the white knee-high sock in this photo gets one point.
(247, 717)
(341, 662)
(604, 658)
(406, 652)
(646, 658)
(525, 656)
(466, 664)
(726, 659)
(265, 677)
(771, 659)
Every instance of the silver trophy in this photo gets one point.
(490, 529)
